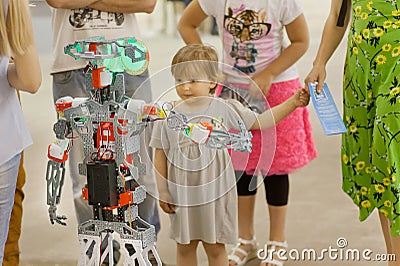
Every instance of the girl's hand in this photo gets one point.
(302, 97)
(165, 202)
(318, 75)
(260, 85)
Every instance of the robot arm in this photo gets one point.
(57, 153)
(204, 133)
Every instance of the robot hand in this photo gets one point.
(55, 179)
(56, 218)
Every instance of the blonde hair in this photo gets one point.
(16, 33)
(203, 61)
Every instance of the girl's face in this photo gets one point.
(190, 88)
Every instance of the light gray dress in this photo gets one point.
(201, 180)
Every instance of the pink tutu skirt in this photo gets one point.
(281, 149)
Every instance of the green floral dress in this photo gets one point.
(371, 147)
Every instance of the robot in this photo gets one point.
(109, 124)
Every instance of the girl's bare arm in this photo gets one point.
(24, 72)
(190, 21)
(299, 41)
(160, 164)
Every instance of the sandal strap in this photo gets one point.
(277, 244)
(273, 245)
(235, 258)
(252, 242)
(240, 250)
(273, 262)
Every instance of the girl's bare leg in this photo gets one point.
(186, 254)
(216, 254)
(277, 225)
(246, 220)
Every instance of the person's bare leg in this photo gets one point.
(187, 254)
(277, 225)
(245, 222)
(216, 254)
(392, 242)
(395, 240)
(386, 231)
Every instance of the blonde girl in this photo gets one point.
(197, 184)
(19, 68)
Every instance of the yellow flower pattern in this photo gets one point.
(365, 33)
(369, 7)
(387, 24)
(387, 203)
(395, 91)
(378, 32)
(386, 47)
(364, 191)
(364, 15)
(353, 128)
(345, 159)
(360, 165)
(366, 204)
(396, 51)
(386, 181)
(380, 59)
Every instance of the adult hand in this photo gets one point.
(260, 85)
(316, 75)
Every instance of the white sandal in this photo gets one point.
(252, 253)
(275, 246)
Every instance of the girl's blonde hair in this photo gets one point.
(196, 60)
(15, 29)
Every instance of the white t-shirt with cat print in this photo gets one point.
(253, 34)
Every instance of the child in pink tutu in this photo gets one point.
(260, 70)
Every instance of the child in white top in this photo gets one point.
(196, 184)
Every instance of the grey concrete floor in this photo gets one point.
(319, 212)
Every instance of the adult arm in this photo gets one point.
(332, 35)
(120, 6)
(160, 164)
(24, 72)
(298, 35)
(190, 20)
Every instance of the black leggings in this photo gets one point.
(276, 187)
